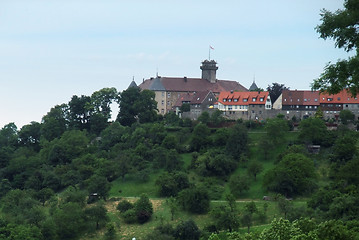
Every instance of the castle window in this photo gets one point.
(169, 94)
(162, 102)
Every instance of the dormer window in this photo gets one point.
(330, 99)
(261, 99)
(254, 99)
(224, 100)
(229, 100)
(245, 99)
(235, 100)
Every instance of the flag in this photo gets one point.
(211, 47)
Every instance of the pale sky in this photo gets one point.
(51, 50)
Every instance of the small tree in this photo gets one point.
(346, 116)
(143, 208)
(187, 230)
(238, 185)
(173, 205)
(254, 168)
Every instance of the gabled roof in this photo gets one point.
(185, 84)
(243, 98)
(192, 98)
(199, 97)
(343, 98)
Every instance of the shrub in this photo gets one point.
(124, 205)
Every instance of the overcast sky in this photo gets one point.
(51, 50)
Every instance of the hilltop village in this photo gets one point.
(237, 102)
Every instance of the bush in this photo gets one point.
(194, 200)
(187, 230)
(124, 205)
(130, 216)
(143, 208)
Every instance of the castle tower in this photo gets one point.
(209, 69)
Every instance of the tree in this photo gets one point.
(284, 206)
(187, 230)
(80, 110)
(204, 117)
(55, 122)
(341, 26)
(186, 107)
(98, 184)
(194, 200)
(70, 221)
(275, 91)
(217, 117)
(276, 129)
(237, 143)
(101, 101)
(173, 205)
(238, 184)
(346, 116)
(200, 137)
(143, 208)
(29, 135)
(97, 214)
(137, 105)
(312, 130)
(226, 216)
(294, 175)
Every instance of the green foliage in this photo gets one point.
(143, 208)
(276, 129)
(187, 230)
(136, 104)
(186, 107)
(254, 168)
(97, 214)
(194, 200)
(294, 175)
(204, 117)
(238, 184)
(124, 205)
(275, 91)
(170, 184)
(237, 141)
(200, 137)
(341, 26)
(98, 184)
(313, 131)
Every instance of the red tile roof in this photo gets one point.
(242, 98)
(343, 97)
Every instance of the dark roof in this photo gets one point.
(253, 87)
(185, 84)
(133, 84)
(199, 97)
(300, 97)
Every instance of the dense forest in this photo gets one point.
(72, 175)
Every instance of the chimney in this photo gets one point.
(185, 78)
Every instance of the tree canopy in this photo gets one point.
(341, 26)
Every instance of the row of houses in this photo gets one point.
(235, 101)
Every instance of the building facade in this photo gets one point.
(169, 89)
